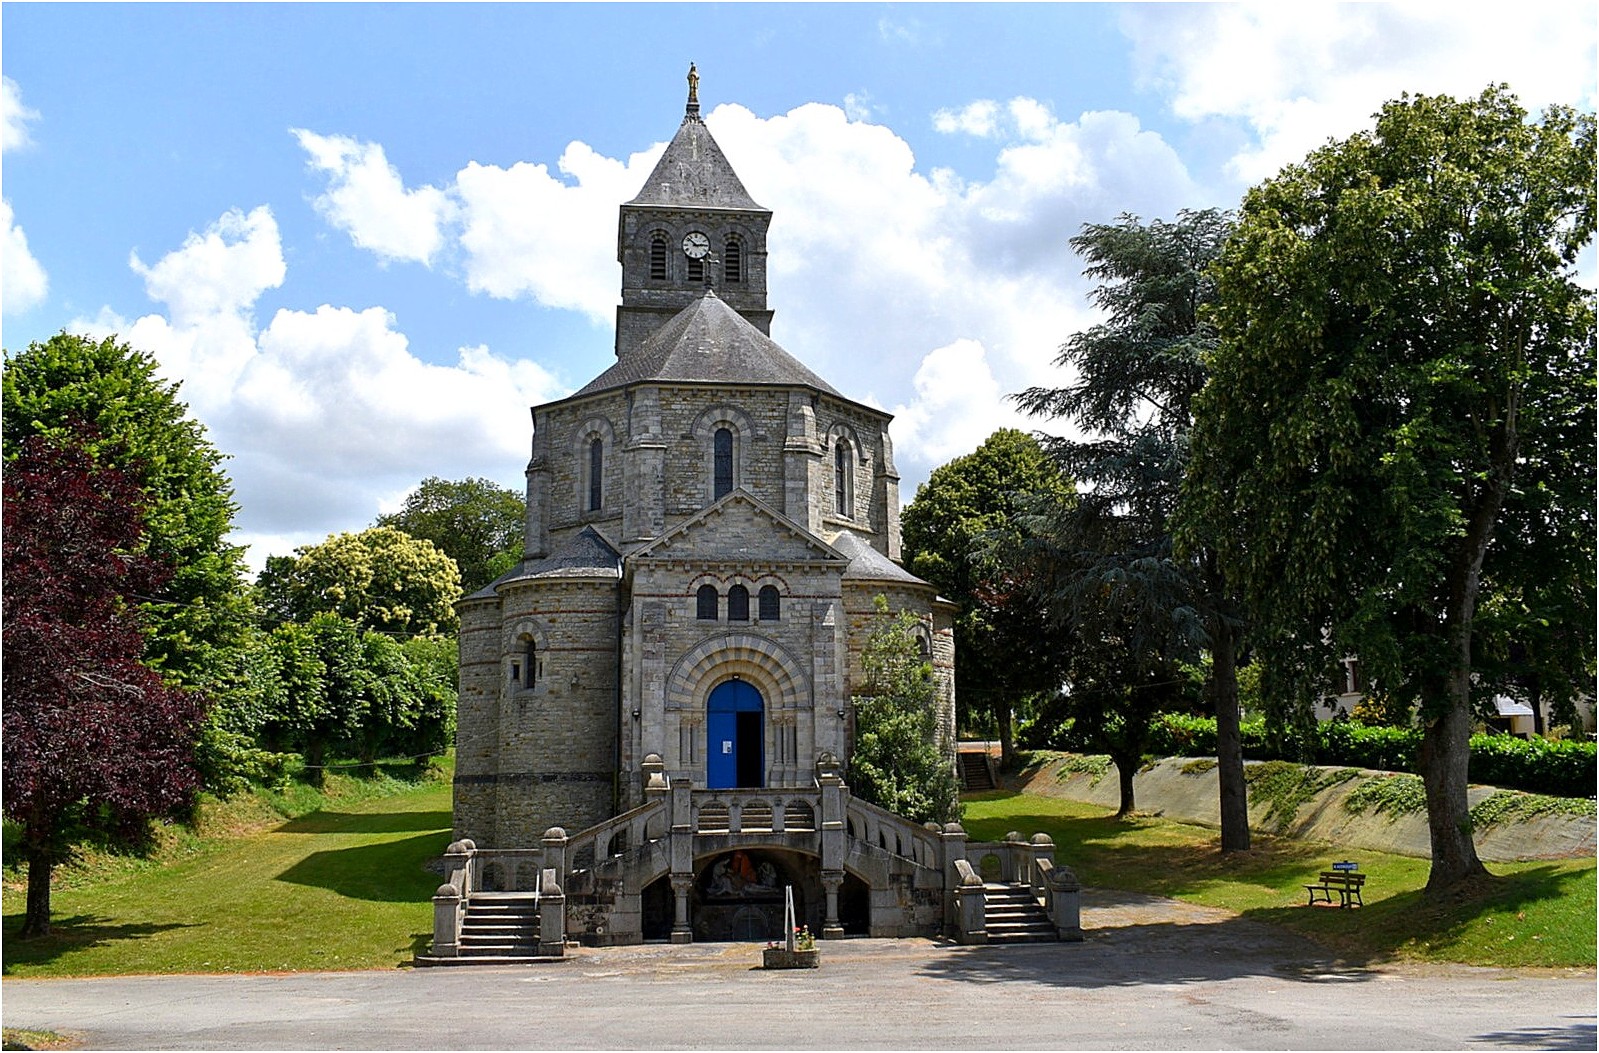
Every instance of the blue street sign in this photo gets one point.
(1346, 866)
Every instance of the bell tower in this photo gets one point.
(692, 226)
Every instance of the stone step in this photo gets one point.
(1012, 915)
(974, 772)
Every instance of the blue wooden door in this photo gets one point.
(734, 737)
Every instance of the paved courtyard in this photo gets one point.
(1153, 974)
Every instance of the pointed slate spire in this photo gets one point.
(693, 172)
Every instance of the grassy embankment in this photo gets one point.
(1528, 914)
(291, 880)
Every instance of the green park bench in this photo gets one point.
(1344, 880)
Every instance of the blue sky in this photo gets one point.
(366, 237)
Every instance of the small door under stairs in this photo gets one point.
(975, 771)
(501, 925)
(1012, 915)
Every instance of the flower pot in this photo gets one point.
(783, 958)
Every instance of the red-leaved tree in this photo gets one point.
(94, 740)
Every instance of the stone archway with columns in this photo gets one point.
(785, 689)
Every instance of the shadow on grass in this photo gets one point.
(386, 872)
(1576, 1036)
(77, 932)
(326, 822)
(1386, 927)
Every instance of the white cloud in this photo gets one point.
(527, 232)
(327, 412)
(367, 200)
(859, 106)
(959, 403)
(1300, 74)
(25, 283)
(14, 116)
(978, 118)
(222, 271)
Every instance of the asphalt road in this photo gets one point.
(1153, 975)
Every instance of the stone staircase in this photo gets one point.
(975, 772)
(501, 925)
(1012, 915)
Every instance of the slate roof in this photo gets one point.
(694, 173)
(708, 342)
(585, 555)
(868, 564)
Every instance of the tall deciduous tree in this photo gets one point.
(1008, 651)
(1111, 560)
(94, 739)
(1403, 349)
(473, 521)
(379, 579)
(198, 619)
(898, 761)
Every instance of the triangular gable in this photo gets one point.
(740, 528)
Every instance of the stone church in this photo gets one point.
(709, 524)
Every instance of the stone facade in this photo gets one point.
(709, 523)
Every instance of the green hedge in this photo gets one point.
(1561, 769)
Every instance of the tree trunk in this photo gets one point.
(1006, 717)
(1126, 768)
(315, 772)
(1229, 741)
(1446, 739)
(1445, 751)
(36, 922)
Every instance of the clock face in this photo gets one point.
(696, 245)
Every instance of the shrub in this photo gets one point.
(1561, 769)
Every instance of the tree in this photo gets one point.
(94, 739)
(1403, 350)
(1111, 550)
(198, 619)
(898, 762)
(473, 521)
(1008, 653)
(1128, 628)
(379, 579)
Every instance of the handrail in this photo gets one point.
(873, 818)
(634, 821)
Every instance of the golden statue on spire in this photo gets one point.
(693, 84)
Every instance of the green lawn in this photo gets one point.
(341, 886)
(1529, 914)
(337, 888)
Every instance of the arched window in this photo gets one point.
(722, 450)
(696, 269)
(525, 669)
(596, 474)
(843, 472)
(706, 603)
(733, 261)
(771, 608)
(658, 252)
(738, 604)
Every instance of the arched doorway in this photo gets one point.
(735, 750)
